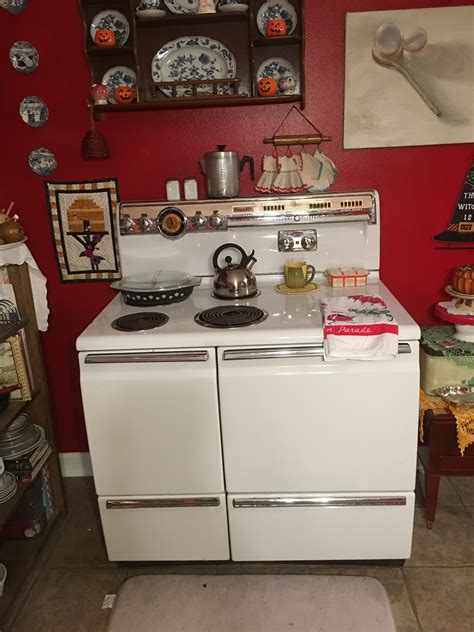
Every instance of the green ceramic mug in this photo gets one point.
(298, 274)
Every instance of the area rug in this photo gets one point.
(82, 225)
(251, 603)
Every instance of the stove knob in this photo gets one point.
(145, 223)
(287, 243)
(309, 242)
(127, 224)
(216, 221)
(198, 221)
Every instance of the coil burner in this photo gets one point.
(227, 316)
(140, 321)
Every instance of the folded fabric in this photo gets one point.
(17, 256)
(359, 327)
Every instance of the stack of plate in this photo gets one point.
(20, 438)
(8, 486)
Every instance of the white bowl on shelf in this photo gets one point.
(237, 7)
(150, 13)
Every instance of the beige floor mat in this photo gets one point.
(251, 603)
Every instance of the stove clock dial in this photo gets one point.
(172, 222)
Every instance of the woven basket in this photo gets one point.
(94, 146)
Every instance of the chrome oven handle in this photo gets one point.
(323, 501)
(287, 352)
(151, 356)
(163, 503)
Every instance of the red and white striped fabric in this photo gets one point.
(359, 327)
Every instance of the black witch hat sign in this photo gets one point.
(461, 228)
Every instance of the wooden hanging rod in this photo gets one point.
(305, 139)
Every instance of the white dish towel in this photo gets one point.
(358, 327)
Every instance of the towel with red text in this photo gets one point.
(358, 327)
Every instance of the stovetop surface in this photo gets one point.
(292, 320)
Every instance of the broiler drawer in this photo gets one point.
(158, 528)
(317, 527)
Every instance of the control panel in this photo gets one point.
(173, 220)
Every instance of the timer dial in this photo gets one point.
(172, 222)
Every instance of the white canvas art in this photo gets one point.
(409, 77)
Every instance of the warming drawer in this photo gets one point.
(320, 527)
(158, 528)
(152, 421)
(292, 422)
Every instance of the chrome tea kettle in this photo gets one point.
(222, 170)
(235, 280)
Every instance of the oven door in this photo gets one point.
(292, 422)
(152, 421)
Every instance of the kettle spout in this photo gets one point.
(250, 261)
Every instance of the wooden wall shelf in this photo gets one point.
(237, 31)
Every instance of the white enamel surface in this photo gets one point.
(321, 533)
(153, 428)
(318, 412)
(194, 533)
(291, 320)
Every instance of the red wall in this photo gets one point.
(418, 185)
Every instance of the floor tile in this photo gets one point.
(68, 599)
(464, 485)
(449, 542)
(443, 598)
(447, 496)
(79, 490)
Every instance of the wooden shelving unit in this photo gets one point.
(39, 409)
(237, 31)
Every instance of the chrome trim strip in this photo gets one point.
(287, 352)
(151, 356)
(163, 503)
(328, 501)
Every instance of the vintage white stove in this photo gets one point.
(244, 443)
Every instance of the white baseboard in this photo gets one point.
(75, 464)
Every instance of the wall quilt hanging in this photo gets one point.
(82, 223)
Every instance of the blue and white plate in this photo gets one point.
(272, 10)
(24, 57)
(118, 76)
(184, 6)
(192, 58)
(14, 6)
(281, 70)
(42, 161)
(114, 21)
(34, 111)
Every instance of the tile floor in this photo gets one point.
(433, 592)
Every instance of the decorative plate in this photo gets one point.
(281, 70)
(183, 6)
(452, 292)
(14, 6)
(192, 58)
(13, 244)
(272, 10)
(34, 111)
(24, 57)
(118, 76)
(42, 161)
(114, 21)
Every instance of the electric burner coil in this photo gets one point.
(226, 316)
(140, 321)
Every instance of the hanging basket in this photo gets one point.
(94, 146)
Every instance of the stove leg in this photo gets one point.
(431, 497)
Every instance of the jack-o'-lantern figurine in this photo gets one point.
(124, 95)
(276, 28)
(105, 37)
(267, 87)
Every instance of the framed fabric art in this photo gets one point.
(82, 223)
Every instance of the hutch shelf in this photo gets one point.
(236, 31)
(19, 555)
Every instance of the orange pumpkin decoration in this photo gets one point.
(267, 87)
(105, 37)
(276, 28)
(124, 95)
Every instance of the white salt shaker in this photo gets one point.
(173, 190)
(190, 189)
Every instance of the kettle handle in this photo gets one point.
(251, 162)
(215, 258)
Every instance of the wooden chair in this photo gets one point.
(440, 456)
